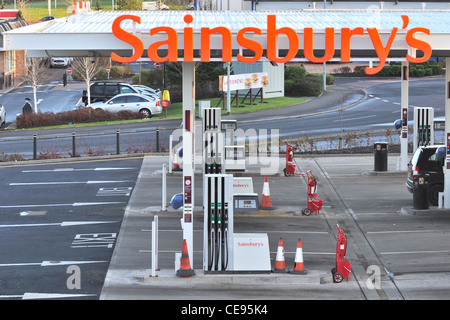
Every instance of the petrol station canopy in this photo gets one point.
(90, 33)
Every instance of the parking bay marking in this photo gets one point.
(35, 295)
(75, 204)
(60, 224)
(94, 240)
(119, 191)
(67, 182)
(48, 263)
(74, 169)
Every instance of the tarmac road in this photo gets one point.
(404, 255)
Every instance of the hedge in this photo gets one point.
(80, 115)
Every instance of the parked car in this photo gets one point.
(60, 62)
(148, 90)
(102, 91)
(428, 160)
(47, 18)
(131, 102)
(2, 115)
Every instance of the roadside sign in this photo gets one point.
(108, 69)
(69, 70)
(164, 103)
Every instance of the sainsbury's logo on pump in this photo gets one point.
(271, 33)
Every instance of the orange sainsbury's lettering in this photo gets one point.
(381, 51)
(249, 44)
(329, 45)
(171, 42)
(346, 34)
(418, 44)
(188, 54)
(205, 51)
(127, 37)
(272, 35)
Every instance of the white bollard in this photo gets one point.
(164, 189)
(170, 154)
(155, 246)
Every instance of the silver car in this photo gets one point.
(130, 102)
(148, 91)
(2, 116)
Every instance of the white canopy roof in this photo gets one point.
(90, 33)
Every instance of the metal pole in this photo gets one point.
(73, 145)
(154, 246)
(188, 153)
(164, 189)
(447, 134)
(118, 141)
(170, 153)
(34, 146)
(228, 91)
(157, 139)
(404, 109)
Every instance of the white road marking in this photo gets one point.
(33, 295)
(60, 224)
(358, 118)
(73, 169)
(66, 182)
(75, 204)
(415, 252)
(121, 191)
(48, 263)
(400, 231)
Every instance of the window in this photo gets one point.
(125, 89)
(119, 100)
(133, 99)
(97, 89)
(111, 89)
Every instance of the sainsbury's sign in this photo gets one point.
(171, 43)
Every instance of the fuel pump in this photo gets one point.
(213, 144)
(217, 197)
(423, 127)
(218, 223)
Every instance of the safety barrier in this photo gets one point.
(73, 136)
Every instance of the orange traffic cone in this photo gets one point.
(265, 200)
(185, 266)
(280, 265)
(298, 263)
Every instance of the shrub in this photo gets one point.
(310, 85)
(80, 115)
(436, 69)
(294, 72)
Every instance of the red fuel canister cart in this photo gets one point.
(290, 162)
(314, 205)
(342, 266)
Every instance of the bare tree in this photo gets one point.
(37, 69)
(87, 68)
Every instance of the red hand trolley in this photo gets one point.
(342, 266)
(314, 205)
(290, 162)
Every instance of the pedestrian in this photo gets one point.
(26, 109)
(65, 79)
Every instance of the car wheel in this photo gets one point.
(433, 193)
(147, 113)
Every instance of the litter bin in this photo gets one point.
(420, 191)
(381, 153)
